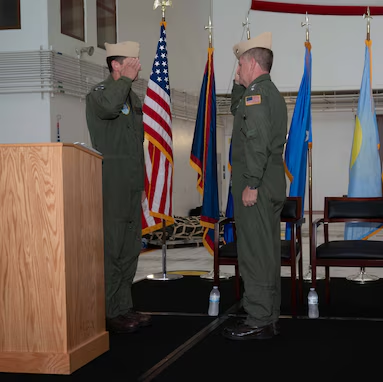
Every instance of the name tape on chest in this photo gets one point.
(253, 100)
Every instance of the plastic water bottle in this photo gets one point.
(214, 301)
(313, 303)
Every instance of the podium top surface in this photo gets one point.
(88, 150)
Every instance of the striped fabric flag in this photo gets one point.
(157, 119)
(299, 137)
(203, 157)
(365, 167)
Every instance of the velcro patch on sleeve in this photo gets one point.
(253, 100)
(99, 87)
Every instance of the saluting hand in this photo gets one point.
(249, 197)
(130, 68)
(236, 79)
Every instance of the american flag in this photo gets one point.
(158, 132)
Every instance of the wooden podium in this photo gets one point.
(52, 307)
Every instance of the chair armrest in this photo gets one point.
(217, 230)
(299, 222)
(222, 222)
(316, 223)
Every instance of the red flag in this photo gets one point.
(158, 131)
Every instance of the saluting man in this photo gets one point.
(114, 118)
(258, 186)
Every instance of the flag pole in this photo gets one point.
(362, 276)
(247, 25)
(210, 275)
(164, 276)
(308, 276)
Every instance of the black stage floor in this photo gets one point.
(185, 344)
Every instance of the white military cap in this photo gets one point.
(124, 49)
(262, 41)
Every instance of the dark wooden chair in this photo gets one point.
(346, 253)
(291, 250)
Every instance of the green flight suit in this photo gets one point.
(259, 135)
(114, 118)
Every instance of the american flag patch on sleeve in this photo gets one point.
(253, 100)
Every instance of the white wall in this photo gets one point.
(25, 117)
(337, 45)
(72, 121)
(33, 32)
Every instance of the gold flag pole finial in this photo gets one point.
(247, 25)
(210, 27)
(307, 25)
(369, 18)
(163, 4)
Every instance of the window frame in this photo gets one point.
(68, 33)
(99, 5)
(18, 25)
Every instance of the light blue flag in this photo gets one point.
(300, 137)
(365, 167)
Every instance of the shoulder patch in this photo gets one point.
(125, 109)
(99, 87)
(253, 100)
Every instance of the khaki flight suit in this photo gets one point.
(259, 135)
(114, 118)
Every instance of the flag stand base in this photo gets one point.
(362, 277)
(210, 275)
(163, 276)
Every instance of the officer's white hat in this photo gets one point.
(262, 41)
(124, 49)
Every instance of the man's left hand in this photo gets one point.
(249, 197)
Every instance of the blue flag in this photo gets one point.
(228, 233)
(299, 137)
(203, 157)
(365, 166)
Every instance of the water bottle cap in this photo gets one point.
(215, 287)
(312, 288)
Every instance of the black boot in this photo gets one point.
(243, 332)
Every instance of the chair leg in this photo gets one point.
(293, 288)
(237, 283)
(300, 266)
(327, 274)
(216, 273)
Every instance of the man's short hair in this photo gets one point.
(263, 56)
(109, 60)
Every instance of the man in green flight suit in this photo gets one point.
(114, 118)
(258, 186)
